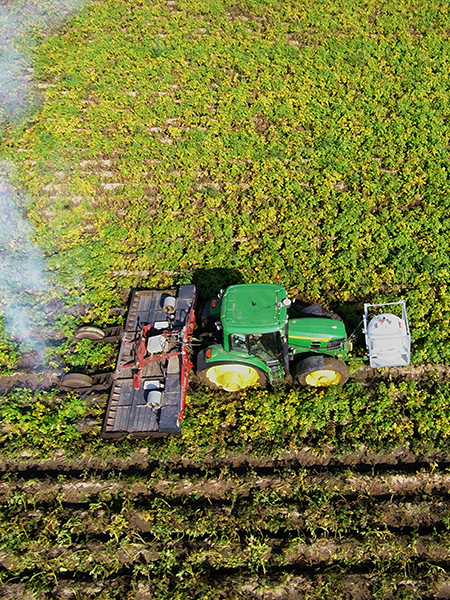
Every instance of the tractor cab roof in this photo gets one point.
(254, 308)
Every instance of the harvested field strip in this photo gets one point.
(402, 460)
(349, 485)
(222, 555)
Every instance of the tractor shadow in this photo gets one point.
(209, 282)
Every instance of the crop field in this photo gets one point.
(151, 144)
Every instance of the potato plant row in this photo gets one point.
(159, 520)
(207, 565)
(258, 422)
(236, 143)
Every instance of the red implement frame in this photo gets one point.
(141, 350)
(186, 364)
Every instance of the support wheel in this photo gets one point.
(229, 376)
(88, 332)
(76, 380)
(322, 372)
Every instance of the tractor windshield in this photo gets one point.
(265, 346)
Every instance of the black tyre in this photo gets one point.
(332, 315)
(321, 371)
(88, 332)
(316, 310)
(76, 380)
(230, 376)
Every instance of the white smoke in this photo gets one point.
(18, 19)
(23, 280)
(22, 267)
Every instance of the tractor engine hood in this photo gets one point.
(315, 333)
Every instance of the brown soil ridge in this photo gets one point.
(256, 587)
(221, 489)
(400, 459)
(366, 375)
(32, 380)
(223, 553)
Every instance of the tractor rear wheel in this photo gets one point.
(88, 332)
(331, 372)
(230, 376)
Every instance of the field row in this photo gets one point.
(298, 584)
(159, 521)
(35, 381)
(412, 415)
(188, 566)
(285, 485)
(138, 461)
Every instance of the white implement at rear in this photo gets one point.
(388, 338)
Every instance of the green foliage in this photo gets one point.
(340, 419)
(271, 138)
(9, 354)
(257, 422)
(221, 142)
(42, 422)
(86, 354)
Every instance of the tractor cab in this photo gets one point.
(254, 318)
(254, 324)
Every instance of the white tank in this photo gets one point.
(387, 338)
(153, 391)
(169, 305)
(386, 332)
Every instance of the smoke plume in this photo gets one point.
(23, 278)
(22, 267)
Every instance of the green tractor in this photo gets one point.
(257, 343)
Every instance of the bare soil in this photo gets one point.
(248, 527)
(423, 484)
(400, 460)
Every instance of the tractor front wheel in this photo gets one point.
(229, 376)
(330, 372)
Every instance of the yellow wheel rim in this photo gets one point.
(232, 378)
(323, 377)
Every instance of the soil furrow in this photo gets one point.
(307, 584)
(368, 376)
(395, 551)
(295, 484)
(402, 460)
